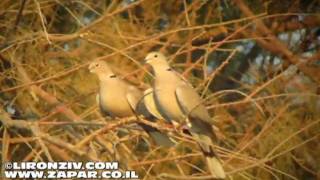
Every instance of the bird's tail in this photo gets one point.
(215, 167)
(160, 138)
(213, 162)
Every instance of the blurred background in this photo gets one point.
(255, 63)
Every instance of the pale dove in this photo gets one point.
(117, 98)
(176, 100)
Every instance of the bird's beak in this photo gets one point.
(146, 61)
(90, 69)
(143, 62)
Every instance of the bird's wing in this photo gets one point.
(98, 99)
(135, 100)
(134, 96)
(103, 111)
(150, 105)
(191, 104)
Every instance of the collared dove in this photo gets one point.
(176, 100)
(117, 98)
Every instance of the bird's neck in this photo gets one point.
(161, 69)
(106, 76)
(109, 82)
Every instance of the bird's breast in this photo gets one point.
(114, 101)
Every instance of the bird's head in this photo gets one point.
(98, 67)
(156, 59)
(101, 69)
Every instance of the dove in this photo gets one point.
(118, 98)
(177, 101)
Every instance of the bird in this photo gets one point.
(177, 101)
(118, 98)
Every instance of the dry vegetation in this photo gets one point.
(256, 63)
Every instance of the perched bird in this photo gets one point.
(177, 101)
(117, 98)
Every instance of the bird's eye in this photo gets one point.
(155, 55)
(97, 65)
